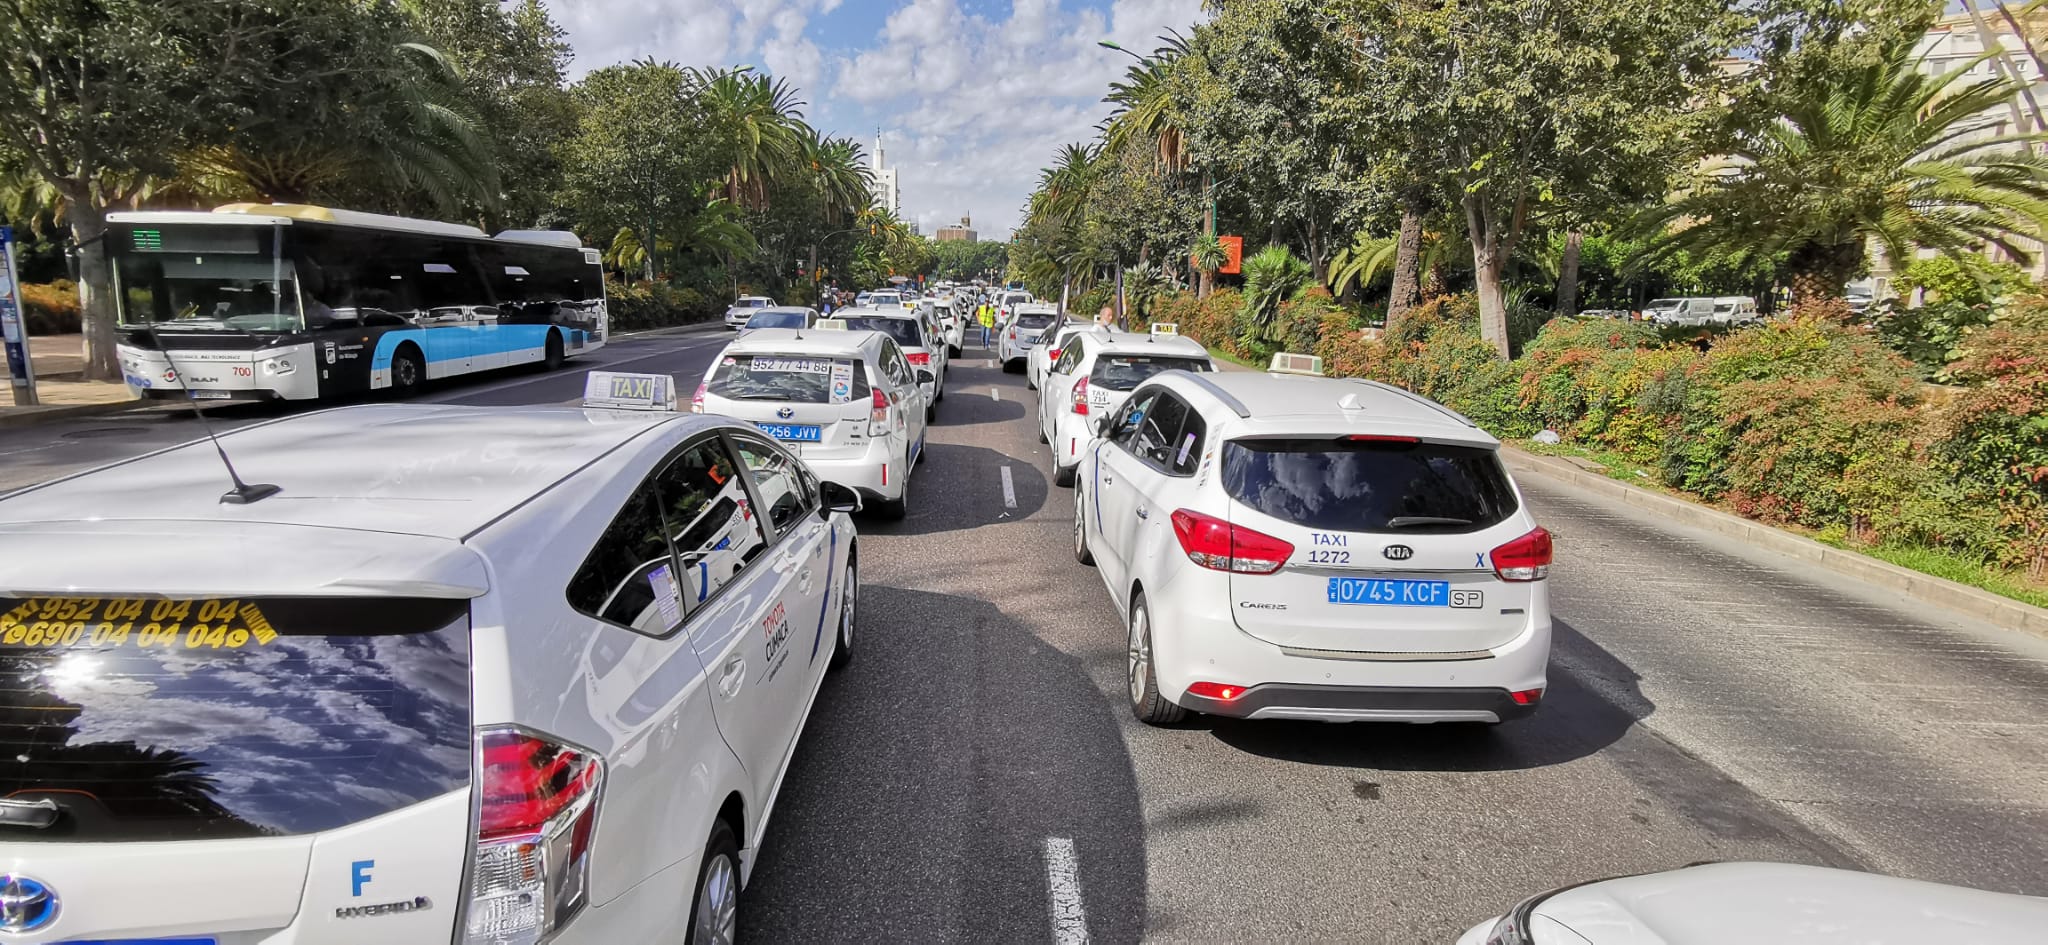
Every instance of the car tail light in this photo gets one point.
(878, 416)
(1217, 691)
(1220, 546)
(1525, 559)
(1526, 696)
(537, 812)
(920, 359)
(1053, 353)
(697, 400)
(1080, 401)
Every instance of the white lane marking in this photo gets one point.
(1063, 881)
(994, 395)
(1009, 490)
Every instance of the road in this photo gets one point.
(975, 775)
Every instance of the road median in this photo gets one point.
(1962, 598)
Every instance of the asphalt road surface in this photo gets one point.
(975, 775)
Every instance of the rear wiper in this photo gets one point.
(1410, 521)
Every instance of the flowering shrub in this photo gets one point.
(1995, 433)
(50, 309)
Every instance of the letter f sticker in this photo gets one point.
(359, 875)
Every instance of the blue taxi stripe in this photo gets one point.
(831, 556)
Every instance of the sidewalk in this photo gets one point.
(60, 386)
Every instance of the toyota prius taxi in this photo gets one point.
(436, 674)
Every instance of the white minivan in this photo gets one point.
(470, 674)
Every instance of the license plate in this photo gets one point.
(1392, 593)
(210, 395)
(801, 433)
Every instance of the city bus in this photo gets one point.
(291, 302)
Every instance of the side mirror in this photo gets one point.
(926, 377)
(838, 498)
(1105, 423)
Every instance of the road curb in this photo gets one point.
(1982, 604)
(30, 416)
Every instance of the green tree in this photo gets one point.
(636, 159)
(1876, 153)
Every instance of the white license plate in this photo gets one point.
(210, 395)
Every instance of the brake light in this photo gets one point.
(1054, 354)
(1380, 438)
(920, 359)
(1526, 696)
(1217, 691)
(536, 814)
(1525, 559)
(697, 400)
(1220, 546)
(1080, 402)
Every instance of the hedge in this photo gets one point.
(1805, 420)
(50, 309)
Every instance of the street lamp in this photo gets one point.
(1109, 44)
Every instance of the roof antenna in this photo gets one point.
(243, 493)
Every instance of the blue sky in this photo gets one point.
(972, 96)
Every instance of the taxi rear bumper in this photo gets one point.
(1364, 704)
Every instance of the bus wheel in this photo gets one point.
(554, 355)
(408, 371)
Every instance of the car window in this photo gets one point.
(893, 367)
(783, 378)
(778, 320)
(1344, 485)
(903, 331)
(1070, 354)
(626, 572)
(1126, 371)
(1133, 414)
(1158, 434)
(777, 481)
(1035, 320)
(705, 505)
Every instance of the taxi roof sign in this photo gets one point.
(1290, 363)
(629, 391)
(1166, 328)
(831, 324)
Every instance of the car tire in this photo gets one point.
(849, 613)
(1030, 379)
(1042, 437)
(953, 351)
(1062, 476)
(931, 411)
(1013, 366)
(555, 356)
(1147, 704)
(1081, 552)
(715, 906)
(408, 372)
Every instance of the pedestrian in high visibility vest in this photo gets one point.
(987, 316)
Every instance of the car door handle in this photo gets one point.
(1108, 480)
(735, 674)
(1142, 513)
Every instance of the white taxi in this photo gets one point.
(1094, 373)
(1299, 547)
(1048, 349)
(1021, 329)
(471, 675)
(847, 402)
(920, 345)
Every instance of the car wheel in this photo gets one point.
(1013, 366)
(1042, 437)
(931, 411)
(1062, 476)
(715, 914)
(1030, 380)
(408, 372)
(1147, 704)
(1081, 552)
(849, 600)
(953, 351)
(555, 356)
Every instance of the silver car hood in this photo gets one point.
(1782, 904)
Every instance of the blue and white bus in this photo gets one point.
(290, 302)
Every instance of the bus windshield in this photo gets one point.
(236, 287)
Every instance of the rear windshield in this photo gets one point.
(1344, 486)
(904, 330)
(777, 320)
(148, 719)
(791, 378)
(1036, 320)
(753, 303)
(1123, 371)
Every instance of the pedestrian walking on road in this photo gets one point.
(987, 316)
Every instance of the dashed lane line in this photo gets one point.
(1063, 881)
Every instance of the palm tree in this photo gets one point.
(1145, 108)
(1271, 276)
(1879, 153)
(758, 119)
(843, 176)
(1062, 194)
(1208, 255)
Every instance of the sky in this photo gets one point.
(972, 97)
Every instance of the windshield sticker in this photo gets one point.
(666, 595)
(115, 621)
(1186, 446)
(793, 365)
(842, 381)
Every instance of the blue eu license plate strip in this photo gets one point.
(801, 433)
(1390, 593)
